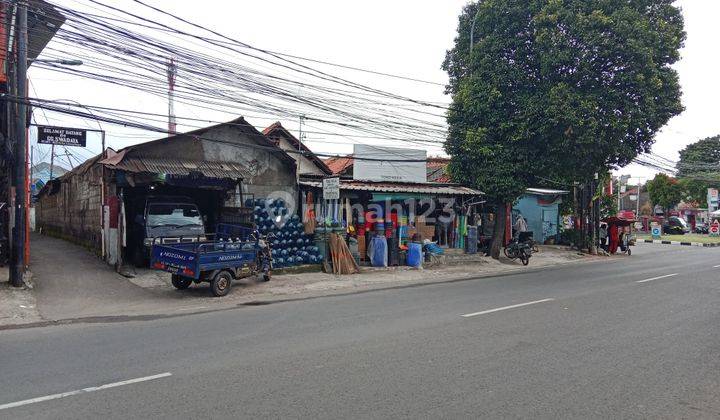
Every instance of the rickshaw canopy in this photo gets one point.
(617, 221)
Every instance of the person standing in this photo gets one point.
(614, 239)
(520, 225)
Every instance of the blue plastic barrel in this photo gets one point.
(414, 256)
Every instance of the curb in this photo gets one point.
(108, 319)
(700, 244)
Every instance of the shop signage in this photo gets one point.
(715, 229)
(389, 164)
(331, 188)
(656, 231)
(61, 136)
(712, 199)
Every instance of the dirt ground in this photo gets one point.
(317, 283)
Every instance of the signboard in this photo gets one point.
(712, 199)
(331, 188)
(389, 164)
(61, 136)
(656, 231)
(715, 229)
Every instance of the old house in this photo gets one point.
(218, 168)
(308, 163)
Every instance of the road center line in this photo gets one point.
(489, 311)
(716, 266)
(657, 278)
(82, 391)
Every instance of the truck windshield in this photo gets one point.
(173, 215)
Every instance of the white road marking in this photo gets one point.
(657, 278)
(716, 266)
(82, 391)
(489, 311)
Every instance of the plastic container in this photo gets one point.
(415, 255)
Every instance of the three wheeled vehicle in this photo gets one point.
(236, 252)
(625, 236)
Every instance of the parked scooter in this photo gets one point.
(516, 249)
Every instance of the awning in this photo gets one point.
(545, 191)
(400, 187)
(171, 166)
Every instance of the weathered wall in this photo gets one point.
(541, 216)
(270, 171)
(74, 212)
(305, 165)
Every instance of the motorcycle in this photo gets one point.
(516, 249)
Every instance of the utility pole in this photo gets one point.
(17, 265)
(300, 134)
(52, 160)
(32, 160)
(171, 74)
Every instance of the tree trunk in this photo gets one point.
(499, 232)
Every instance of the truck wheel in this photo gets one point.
(181, 283)
(221, 283)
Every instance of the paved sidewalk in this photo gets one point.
(17, 304)
(70, 282)
(73, 284)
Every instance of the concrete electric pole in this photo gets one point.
(17, 262)
(172, 74)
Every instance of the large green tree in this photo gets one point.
(699, 168)
(665, 191)
(558, 90)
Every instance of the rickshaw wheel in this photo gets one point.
(221, 283)
(181, 283)
(629, 252)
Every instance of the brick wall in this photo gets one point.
(73, 213)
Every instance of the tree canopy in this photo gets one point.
(558, 89)
(665, 191)
(699, 168)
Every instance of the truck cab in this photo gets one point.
(166, 220)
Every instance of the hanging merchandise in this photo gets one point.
(348, 217)
(310, 216)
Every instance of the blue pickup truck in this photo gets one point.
(236, 252)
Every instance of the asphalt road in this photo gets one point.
(637, 337)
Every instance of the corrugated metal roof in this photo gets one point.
(400, 187)
(182, 167)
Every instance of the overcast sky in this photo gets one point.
(400, 37)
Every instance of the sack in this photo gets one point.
(379, 256)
